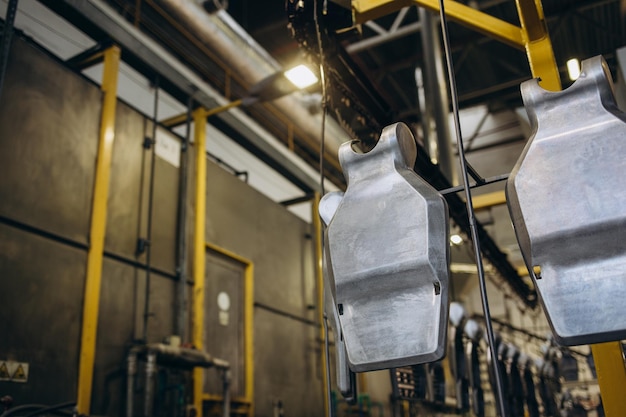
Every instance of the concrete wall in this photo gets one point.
(49, 119)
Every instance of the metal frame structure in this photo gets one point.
(532, 36)
(93, 281)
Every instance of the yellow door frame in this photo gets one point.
(248, 326)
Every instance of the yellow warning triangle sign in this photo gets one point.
(4, 372)
(19, 373)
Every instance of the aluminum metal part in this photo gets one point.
(567, 202)
(388, 257)
(346, 379)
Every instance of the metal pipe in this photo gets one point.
(226, 383)
(146, 310)
(436, 94)
(131, 372)
(181, 231)
(150, 373)
(251, 61)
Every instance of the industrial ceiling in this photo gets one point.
(372, 68)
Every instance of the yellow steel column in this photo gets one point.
(319, 274)
(199, 119)
(249, 336)
(611, 371)
(538, 44)
(97, 229)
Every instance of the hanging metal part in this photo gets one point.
(388, 256)
(568, 205)
(457, 357)
(474, 333)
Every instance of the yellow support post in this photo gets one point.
(199, 119)
(91, 302)
(319, 275)
(609, 361)
(537, 44)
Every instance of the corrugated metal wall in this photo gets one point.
(49, 119)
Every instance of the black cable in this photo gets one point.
(146, 311)
(322, 191)
(42, 409)
(470, 207)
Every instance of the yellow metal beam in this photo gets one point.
(199, 256)
(91, 302)
(485, 201)
(538, 45)
(364, 10)
(319, 275)
(609, 361)
(181, 119)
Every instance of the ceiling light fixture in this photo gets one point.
(573, 69)
(301, 76)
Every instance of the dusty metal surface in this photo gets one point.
(388, 255)
(33, 188)
(567, 200)
(41, 295)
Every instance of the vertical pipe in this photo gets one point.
(199, 118)
(226, 390)
(7, 35)
(131, 371)
(611, 371)
(319, 275)
(97, 230)
(149, 393)
(146, 306)
(436, 94)
(181, 231)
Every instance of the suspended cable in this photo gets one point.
(324, 105)
(470, 208)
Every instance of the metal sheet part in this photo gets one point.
(567, 202)
(388, 257)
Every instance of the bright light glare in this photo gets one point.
(573, 69)
(301, 76)
(456, 239)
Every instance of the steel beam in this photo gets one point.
(199, 256)
(609, 361)
(485, 201)
(365, 10)
(538, 45)
(91, 302)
